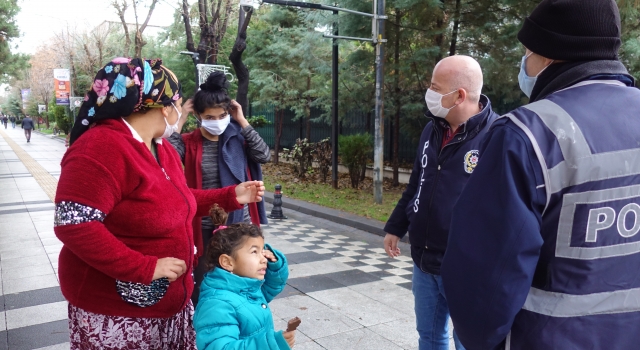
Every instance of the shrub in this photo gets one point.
(355, 151)
(322, 156)
(302, 155)
(258, 121)
(62, 120)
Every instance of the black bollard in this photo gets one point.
(276, 212)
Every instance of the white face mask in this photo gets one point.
(170, 129)
(434, 103)
(216, 127)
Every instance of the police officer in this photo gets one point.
(544, 250)
(446, 158)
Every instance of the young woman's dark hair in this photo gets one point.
(227, 239)
(212, 94)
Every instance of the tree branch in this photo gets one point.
(120, 10)
(202, 10)
(187, 25)
(146, 21)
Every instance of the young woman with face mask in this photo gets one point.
(224, 151)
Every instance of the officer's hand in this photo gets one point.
(391, 245)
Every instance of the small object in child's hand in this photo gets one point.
(293, 324)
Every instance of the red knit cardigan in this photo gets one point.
(149, 210)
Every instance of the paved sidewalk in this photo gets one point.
(33, 312)
(348, 294)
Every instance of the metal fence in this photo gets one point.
(354, 123)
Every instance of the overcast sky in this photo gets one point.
(39, 20)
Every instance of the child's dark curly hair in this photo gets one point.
(227, 240)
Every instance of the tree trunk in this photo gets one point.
(139, 40)
(454, 34)
(308, 111)
(205, 32)
(242, 73)
(139, 43)
(439, 39)
(187, 26)
(222, 27)
(396, 121)
(279, 114)
(121, 9)
(46, 115)
(74, 79)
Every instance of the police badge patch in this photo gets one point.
(471, 160)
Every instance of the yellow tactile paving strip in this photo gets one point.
(48, 183)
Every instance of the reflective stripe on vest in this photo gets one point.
(579, 165)
(569, 305)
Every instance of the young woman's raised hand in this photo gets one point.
(187, 108)
(236, 113)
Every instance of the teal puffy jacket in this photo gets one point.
(233, 311)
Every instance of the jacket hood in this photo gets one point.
(221, 279)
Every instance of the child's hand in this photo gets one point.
(290, 337)
(269, 255)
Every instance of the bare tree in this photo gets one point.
(213, 27)
(121, 8)
(236, 60)
(41, 75)
(139, 42)
(64, 46)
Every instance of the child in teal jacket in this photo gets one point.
(245, 275)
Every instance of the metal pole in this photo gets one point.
(334, 106)
(196, 60)
(378, 150)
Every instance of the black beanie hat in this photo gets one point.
(573, 30)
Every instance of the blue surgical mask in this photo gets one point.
(526, 82)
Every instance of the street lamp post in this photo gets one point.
(378, 18)
(334, 105)
(378, 150)
(196, 60)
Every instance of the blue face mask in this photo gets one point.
(526, 82)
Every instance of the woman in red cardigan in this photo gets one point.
(124, 212)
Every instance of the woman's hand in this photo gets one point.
(187, 108)
(290, 337)
(250, 192)
(237, 115)
(170, 268)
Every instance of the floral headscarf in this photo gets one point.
(125, 86)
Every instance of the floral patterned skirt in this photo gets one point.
(91, 331)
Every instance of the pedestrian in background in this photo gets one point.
(224, 151)
(5, 121)
(447, 156)
(543, 250)
(27, 126)
(123, 212)
(12, 119)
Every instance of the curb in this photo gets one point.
(337, 216)
(49, 135)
